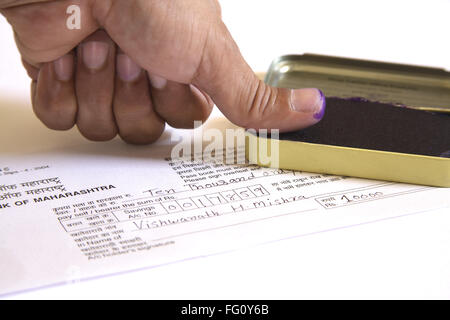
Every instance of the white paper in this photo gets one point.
(89, 210)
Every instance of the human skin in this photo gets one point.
(135, 65)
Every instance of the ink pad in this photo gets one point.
(393, 138)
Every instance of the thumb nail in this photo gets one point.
(309, 101)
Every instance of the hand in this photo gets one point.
(135, 65)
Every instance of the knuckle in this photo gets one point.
(98, 133)
(180, 123)
(259, 102)
(55, 117)
(56, 124)
(143, 131)
(188, 121)
(143, 136)
(137, 139)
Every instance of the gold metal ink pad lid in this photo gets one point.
(413, 86)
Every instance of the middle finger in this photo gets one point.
(95, 87)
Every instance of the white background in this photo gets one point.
(396, 259)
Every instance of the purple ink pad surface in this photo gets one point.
(361, 124)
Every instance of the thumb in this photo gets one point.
(247, 101)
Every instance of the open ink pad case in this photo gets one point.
(383, 121)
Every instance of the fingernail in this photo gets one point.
(158, 82)
(127, 69)
(95, 54)
(64, 67)
(310, 101)
(321, 104)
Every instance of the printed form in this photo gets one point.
(89, 210)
